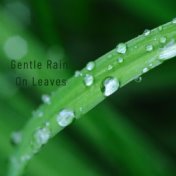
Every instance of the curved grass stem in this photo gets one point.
(92, 85)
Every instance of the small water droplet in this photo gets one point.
(16, 137)
(65, 117)
(145, 70)
(42, 136)
(120, 60)
(88, 80)
(25, 158)
(138, 79)
(121, 48)
(90, 66)
(174, 21)
(110, 85)
(46, 99)
(110, 67)
(146, 32)
(160, 28)
(78, 73)
(149, 48)
(163, 40)
(151, 65)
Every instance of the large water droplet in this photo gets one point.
(121, 48)
(149, 48)
(110, 85)
(90, 66)
(65, 117)
(42, 135)
(46, 99)
(88, 80)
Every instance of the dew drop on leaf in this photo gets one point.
(120, 60)
(90, 66)
(146, 32)
(149, 48)
(42, 135)
(88, 80)
(65, 117)
(121, 48)
(109, 86)
(46, 99)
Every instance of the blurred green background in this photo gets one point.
(133, 132)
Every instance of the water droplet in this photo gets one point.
(110, 67)
(25, 158)
(149, 48)
(121, 48)
(120, 60)
(110, 85)
(160, 28)
(46, 99)
(42, 135)
(90, 66)
(169, 51)
(174, 21)
(78, 73)
(138, 79)
(16, 137)
(145, 70)
(163, 40)
(151, 65)
(40, 114)
(146, 32)
(15, 47)
(88, 80)
(65, 117)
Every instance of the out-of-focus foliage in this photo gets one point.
(132, 132)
